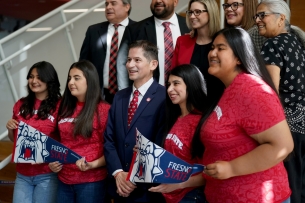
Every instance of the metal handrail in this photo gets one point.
(4, 135)
(29, 46)
(6, 161)
(39, 20)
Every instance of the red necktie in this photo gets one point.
(133, 106)
(113, 86)
(168, 48)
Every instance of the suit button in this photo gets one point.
(126, 145)
(127, 164)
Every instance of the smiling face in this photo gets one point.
(201, 20)
(223, 62)
(116, 11)
(37, 86)
(163, 9)
(176, 90)
(272, 24)
(77, 84)
(234, 18)
(139, 68)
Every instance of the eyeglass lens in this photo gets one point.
(234, 6)
(195, 12)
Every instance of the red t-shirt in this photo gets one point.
(248, 106)
(178, 142)
(47, 126)
(90, 148)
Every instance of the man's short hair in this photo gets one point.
(150, 50)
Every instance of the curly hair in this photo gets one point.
(48, 75)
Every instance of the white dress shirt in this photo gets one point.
(143, 89)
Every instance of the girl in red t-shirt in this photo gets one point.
(246, 138)
(81, 123)
(186, 101)
(36, 182)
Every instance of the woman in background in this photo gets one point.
(36, 182)
(82, 122)
(203, 18)
(239, 13)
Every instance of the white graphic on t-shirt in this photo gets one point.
(50, 117)
(218, 112)
(66, 120)
(175, 140)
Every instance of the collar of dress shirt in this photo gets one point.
(124, 22)
(143, 89)
(173, 20)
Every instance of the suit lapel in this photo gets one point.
(148, 97)
(125, 105)
(103, 35)
(151, 30)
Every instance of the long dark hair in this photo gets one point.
(196, 95)
(83, 124)
(251, 63)
(48, 75)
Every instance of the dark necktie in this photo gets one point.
(133, 106)
(113, 86)
(168, 48)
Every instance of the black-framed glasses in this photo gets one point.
(234, 6)
(262, 15)
(196, 12)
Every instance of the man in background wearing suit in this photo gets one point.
(97, 45)
(152, 29)
(148, 99)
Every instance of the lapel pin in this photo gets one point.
(148, 99)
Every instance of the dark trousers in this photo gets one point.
(108, 96)
(295, 166)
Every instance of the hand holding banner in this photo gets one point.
(33, 146)
(153, 164)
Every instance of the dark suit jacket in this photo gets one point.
(144, 30)
(119, 140)
(94, 47)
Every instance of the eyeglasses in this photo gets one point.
(195, 12)
(234, 6)
(262, 15)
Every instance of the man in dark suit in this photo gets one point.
(149, 117)
(97, 43)
(151, 29)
